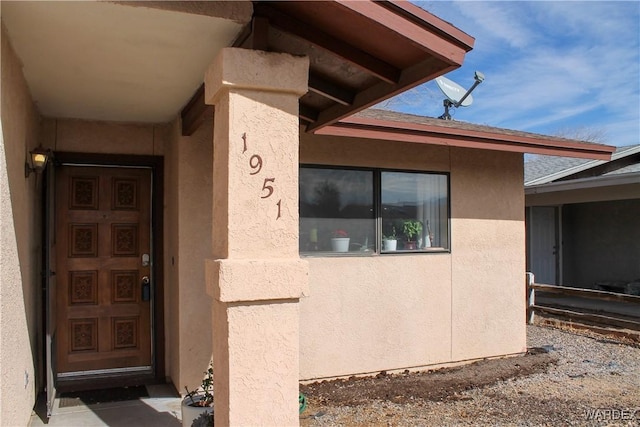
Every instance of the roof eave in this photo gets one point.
(582, 183)
(565, 172)
(438, 25)
(446, 44)
(361, 127)
(582, 167)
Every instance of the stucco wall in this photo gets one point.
(188, 201)
(87, 136)
(367, 314)
(19, 245)
(195, 202)
(488, 254)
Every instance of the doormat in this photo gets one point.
(92, 397)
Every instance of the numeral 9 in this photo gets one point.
(256, 164)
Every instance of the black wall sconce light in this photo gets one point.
(39, 158)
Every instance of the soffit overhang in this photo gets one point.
(118, 61)
(144, 61)
(584, 190)
(360, 52)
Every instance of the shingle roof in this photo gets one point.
(379, 114)
(542, 169)
(394, 126)
(542, 166)
(626, 169)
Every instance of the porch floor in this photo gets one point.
(161, 408)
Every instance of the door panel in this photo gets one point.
(103, 224)
(544, 244)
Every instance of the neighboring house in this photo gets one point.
(583, 226)
(162, 235)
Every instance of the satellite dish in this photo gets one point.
(456, 95)
(453, 91)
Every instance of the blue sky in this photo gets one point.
(550, 67)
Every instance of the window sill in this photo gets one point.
(330, 254)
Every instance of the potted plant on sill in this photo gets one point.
(390, 241)
(197, 405)
(411, 229)
(340, 241)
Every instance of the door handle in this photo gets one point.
(146, 288)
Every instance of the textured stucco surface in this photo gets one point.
(249, 339)
(255, 268)
(256, 99)
(488, 254)
(193, 313)
(187, 238)
(84, 136)
(232, 280)
(19, 245)
(367, 314)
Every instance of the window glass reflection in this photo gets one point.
(414, 211)
(336, 210)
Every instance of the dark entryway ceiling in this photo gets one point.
(361, 52)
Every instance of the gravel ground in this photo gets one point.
(591, 381)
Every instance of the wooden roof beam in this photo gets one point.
(411, 77)
(329, 90)
(307, 113)
(317, 37)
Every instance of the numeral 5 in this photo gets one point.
(269, 188)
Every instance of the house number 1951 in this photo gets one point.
(255, 163)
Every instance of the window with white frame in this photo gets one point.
(369, 211)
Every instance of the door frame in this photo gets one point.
(530, 219)
(49, 287)
(156, 165)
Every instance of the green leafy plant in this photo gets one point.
(205, 390)
(411, 228)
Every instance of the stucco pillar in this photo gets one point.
(257, 277)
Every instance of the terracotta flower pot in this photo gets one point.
(410, 246)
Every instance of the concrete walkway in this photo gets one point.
(160, 409)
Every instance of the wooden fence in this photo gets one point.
(607, 318)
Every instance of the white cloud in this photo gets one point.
(499, 21)
(547, 65)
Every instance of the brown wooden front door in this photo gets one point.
(103, 244)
